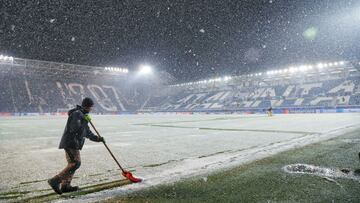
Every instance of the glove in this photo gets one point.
(101, 139)
(87, 117)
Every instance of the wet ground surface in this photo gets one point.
(154, 147)
(325, 171)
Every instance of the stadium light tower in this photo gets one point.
(145, 70)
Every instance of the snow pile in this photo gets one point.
(322, 171)
(309, 169)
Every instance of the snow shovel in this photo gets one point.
(126, 174)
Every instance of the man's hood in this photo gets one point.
(78, 107)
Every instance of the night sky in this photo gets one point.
(189, 39)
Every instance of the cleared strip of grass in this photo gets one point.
(212, 119)
(265, 181)
(233, 129)
(14, 195)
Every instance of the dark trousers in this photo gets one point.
(74, 162)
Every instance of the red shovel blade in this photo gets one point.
(130, 177)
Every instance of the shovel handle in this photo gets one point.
(112, 155)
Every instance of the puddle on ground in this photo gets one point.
(323, 171)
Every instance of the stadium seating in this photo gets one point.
(41, 88)
(27, 90)
(321, 94)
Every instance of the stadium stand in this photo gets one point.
(317, 89)
(32, 86)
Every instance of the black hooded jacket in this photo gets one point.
(76, 130)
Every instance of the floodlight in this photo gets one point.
(292, 69)
(320, 65)
(5, 58)
(145, 69)
(341, 62)
(302, 68)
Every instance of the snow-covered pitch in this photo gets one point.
(158, 148)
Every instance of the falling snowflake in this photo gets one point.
(264, 46)
(202, 30)
(52, 20)
(73, 39)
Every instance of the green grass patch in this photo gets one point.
(265, 181)
(34, 181)
(83, 191)
(12, 194)
(204, 120)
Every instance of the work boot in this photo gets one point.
(54, 184)
(69, 188)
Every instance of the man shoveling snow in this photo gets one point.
(72, 141)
